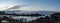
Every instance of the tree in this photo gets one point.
(2, 12)
(5, 17)
(56, 16)
(47, 17)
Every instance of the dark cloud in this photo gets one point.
(15, 7)
(18, 6)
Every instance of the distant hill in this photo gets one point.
(31, 12)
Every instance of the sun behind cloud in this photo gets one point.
(5, 6)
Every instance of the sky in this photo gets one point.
(30, 5)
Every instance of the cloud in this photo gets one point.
(30, 5)
(5, 5)
(34, 7)
(17, 6)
